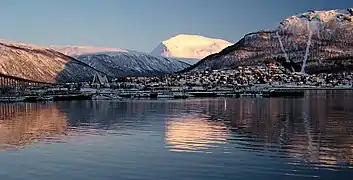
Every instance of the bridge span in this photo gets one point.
(7, 81)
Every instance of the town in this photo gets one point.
(242, 81)
(240, 78)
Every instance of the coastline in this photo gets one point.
(119, 94)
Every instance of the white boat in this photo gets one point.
(12, 99)
(181, 95)
(343, 86)
(106, 97)
(165, 95)
(142, 95)
(46, 98)
(247, 95)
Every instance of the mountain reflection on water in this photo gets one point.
(317, 130)
(25, 124)
(274, 137)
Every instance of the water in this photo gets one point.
(309, 138)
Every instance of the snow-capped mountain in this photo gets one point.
(321, 39)
(79, 50)
(132, 64)
(115, 62)
(190, 47)
(41, 64)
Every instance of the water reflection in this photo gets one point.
(194, 133)
(114, 115)
(316, 130)
(272, 137)
(25, 124)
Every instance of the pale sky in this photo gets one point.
(142, 24)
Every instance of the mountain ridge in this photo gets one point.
(74, 50)
(41, 64)
(314, 36)
(132, 64)
(124, 63)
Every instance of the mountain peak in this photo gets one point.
(325, 16)
(316, 19)
(190, 46)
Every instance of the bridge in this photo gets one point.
(7, 81)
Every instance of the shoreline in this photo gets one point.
(267, 92)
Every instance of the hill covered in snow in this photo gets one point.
(117, 62)
(132, 63)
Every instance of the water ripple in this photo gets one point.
(308, 138)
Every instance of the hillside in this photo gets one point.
(132, 64)
(117, 62)
(41, 64)
(321, 39)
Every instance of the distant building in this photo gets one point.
(99, 80)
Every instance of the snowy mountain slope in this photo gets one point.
(322, 39)
(189, 46)
(123, 63)
(79, 50)
(41, 64)
(132, 63)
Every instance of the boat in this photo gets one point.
(343, 86)
(142, 95)
(70, 97)
(181, 95)
(125, 95)
(12, 99)
(106, 97)
(247, 95)
(45, 98)
(283, 93)
(165, 95)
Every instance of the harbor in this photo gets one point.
(18, 90)
(113, 94)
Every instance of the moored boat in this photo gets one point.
(165, 95)
(45, 98)
(106, 97)
(181, 95)
(12, 99)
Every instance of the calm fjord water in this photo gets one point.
(308, 138)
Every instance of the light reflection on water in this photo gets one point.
(234, 138)
(194, 133)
